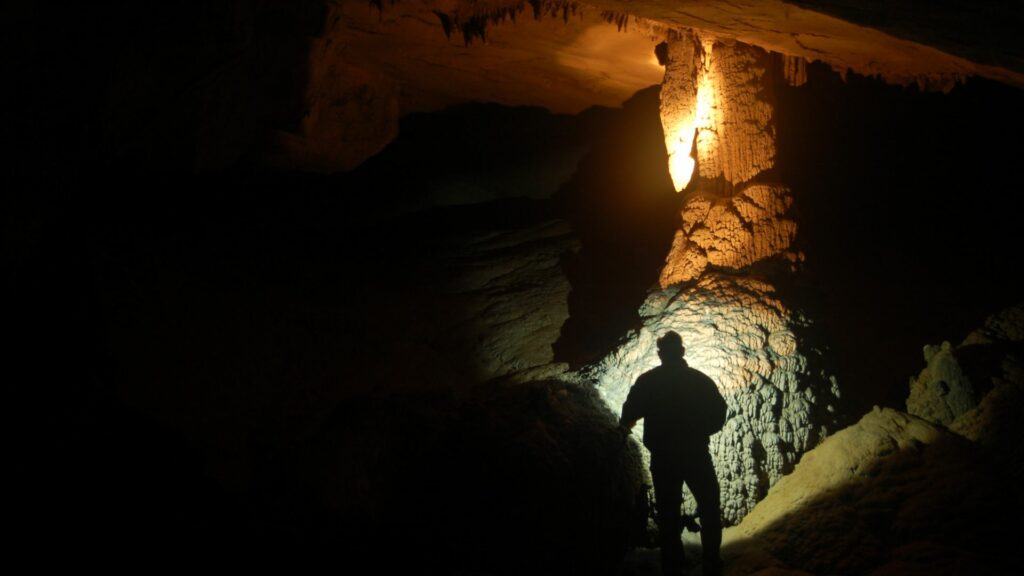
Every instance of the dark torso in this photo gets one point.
(676, 403)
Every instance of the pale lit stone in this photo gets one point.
(742, 144)
(743, 337)
(732, 233)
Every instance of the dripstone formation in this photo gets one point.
(736, 223)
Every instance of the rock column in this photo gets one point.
(716, 289)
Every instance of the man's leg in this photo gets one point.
(668, 495)
(703, 483)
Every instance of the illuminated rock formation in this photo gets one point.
(738, 332)
(499, 298)
(712, 104)
(685, 74)
(717, 118)
(881, 493)
(735, 140)
(720, 126)
(785, 28)
(730, 232)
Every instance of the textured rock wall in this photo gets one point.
(942, 391)
(958, 380)
(976, 388)
(735, 139)
(738, 332)
(348, 112)
(733, 322)
(730, 232)
(733, 213)
(892, 493)
(487, 305)
(170, 88)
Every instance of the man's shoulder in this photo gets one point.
(697, 374)
(702, 382)
(651, 375)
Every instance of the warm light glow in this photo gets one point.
(699, 116)
(706, 97)
(680, 159)
(612, 59)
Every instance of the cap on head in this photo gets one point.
(671, 344)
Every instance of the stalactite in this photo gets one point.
(794, 69)
(537, 6)
(446, 23)
(620, 19)
(474, 26)
(379, 5)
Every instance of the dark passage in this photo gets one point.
(251, 366)
(908, 215)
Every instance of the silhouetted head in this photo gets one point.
(670, 347)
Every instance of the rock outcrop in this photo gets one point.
(993, 358)
(500, 298)
(896, 493)
(892, 494)
(512, 289)
(349, 114)
(958, 379)
(731, 232)
(941, 392)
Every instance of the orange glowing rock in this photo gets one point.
(717, 122)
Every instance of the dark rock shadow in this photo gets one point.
(512, 479)
(623, 207)
(906, 217)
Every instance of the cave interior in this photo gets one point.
(365, 282)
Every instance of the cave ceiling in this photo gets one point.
(569, 56)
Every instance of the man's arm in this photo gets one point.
(634, 407)
(713, 408)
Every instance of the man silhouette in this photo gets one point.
(681, 408)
